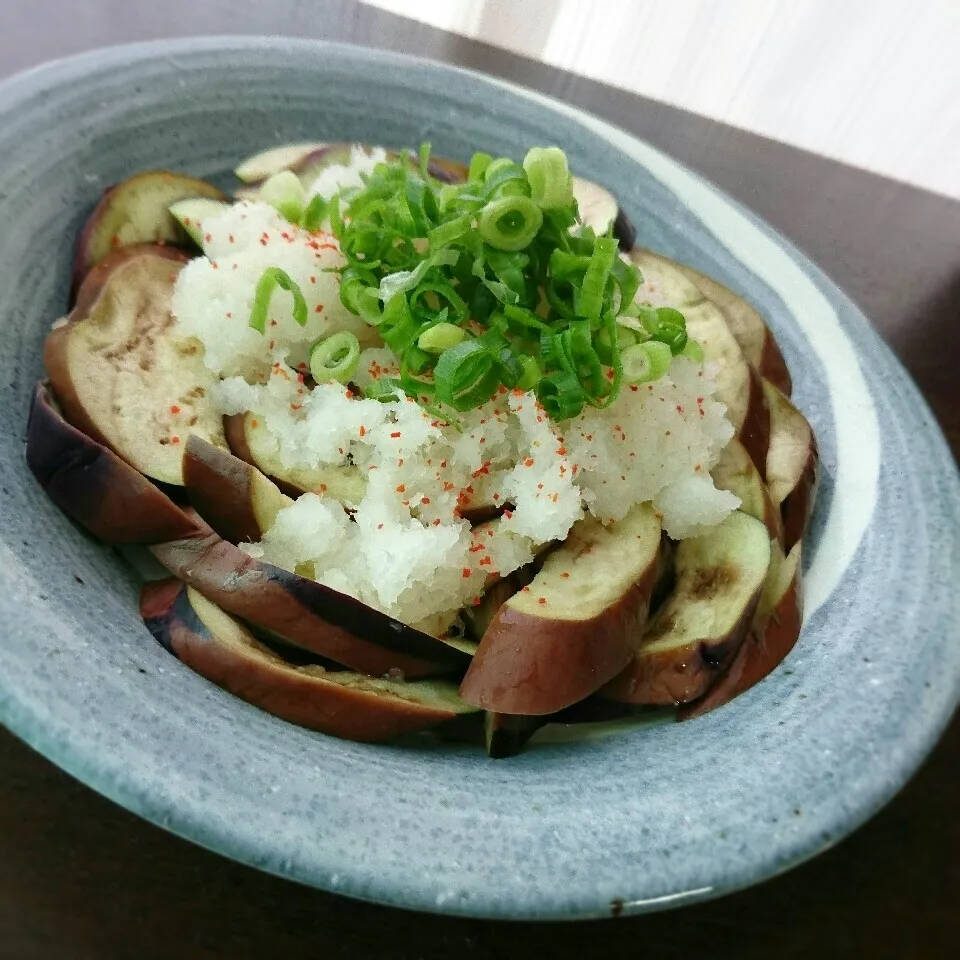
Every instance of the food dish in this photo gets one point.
(514, 464)
(626, 823)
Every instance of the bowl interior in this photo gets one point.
(646, 816)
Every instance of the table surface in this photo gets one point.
(82, 878)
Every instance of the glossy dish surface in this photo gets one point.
(636, 819)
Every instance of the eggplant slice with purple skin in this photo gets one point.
(697, 632)
(576, 625)
(93, 485)
(137, 211)
(340, 703)
(306, 613)
(120, 373)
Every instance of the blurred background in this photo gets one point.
(873, 83)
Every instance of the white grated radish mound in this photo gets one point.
(214, 295)
(407, 549)
(409, 552)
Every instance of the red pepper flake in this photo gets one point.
(541, 600)
(254, 424)
(447, 486)
(174, 439)
(273, 323)
(323, 488)
(485, 561)
(318, 308)
(565, 575)
(679, 408)
(588, 437)
(555, 497)
(477, 548)
(517, 392)
(296, 406)
(395, 434)
(379, 526)
(610, 375)
(465, 573)
(114, 241)
(401, 488)
(424, 499)
(174, 409)
(363, 432)
(443, 464)
(529, 462)
(508, 514)
(634, 387)
(436, 522)
(561, 451)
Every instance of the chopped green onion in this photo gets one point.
(450, 232)
(270, 280)
(385, 390)
(549, 176)
(284, 192)
(335, 358)
(466, 375)
(645, 362)
(315, 213)
(532, 374)
(692, 351)
(595, 279)
(560, 395)
(478, 166)
(510, 223)
(425, 160)
(440, 337)
(399, 327)
(665, 325)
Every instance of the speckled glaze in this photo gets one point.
(634, 821)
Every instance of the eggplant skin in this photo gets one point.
(93, 485)
(222, 650)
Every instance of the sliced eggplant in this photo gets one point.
(697, 632)
(249, 440)
(193, 212)
(755, 339)
(93, 485)
(793, 465)
(599, 209)
(121, 375)
(736, 472)
(233, 496)
(575, 626)
(773, 634)
(343, 704)
(137, 211)
(739, 386)
(304, 612)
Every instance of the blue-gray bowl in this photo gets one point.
(632, 821)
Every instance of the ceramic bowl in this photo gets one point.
(627, 822)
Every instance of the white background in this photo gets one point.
(874, 83)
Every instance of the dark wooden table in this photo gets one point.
(81, 878)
